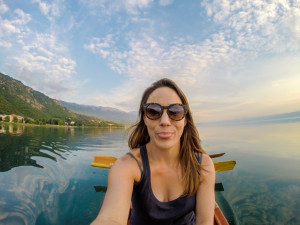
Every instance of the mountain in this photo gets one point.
(16, 98)
(290, 117)
(106, 113)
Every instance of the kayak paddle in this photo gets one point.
(107, 161)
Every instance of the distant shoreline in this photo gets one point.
(59, 126)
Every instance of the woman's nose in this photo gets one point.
(165, 120)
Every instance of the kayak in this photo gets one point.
(224, 207)
(219, 217)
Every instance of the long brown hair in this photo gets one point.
(190, 141)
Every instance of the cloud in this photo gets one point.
(7, 28)
(23, 18)
(217, 72)
(14, 28)
(43, 65)
(110, 7)
(39, 59)
(147, 59)
(3, 7)
(5, 44)
(50, 10)
(100, 45)
(214, 67)
(258, 25)
(165, 2)
(15, 25)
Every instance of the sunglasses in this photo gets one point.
(154, 111)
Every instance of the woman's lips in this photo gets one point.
(164, 134)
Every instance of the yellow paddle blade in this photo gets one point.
(103, 161)
(224, 165)
(107, 161)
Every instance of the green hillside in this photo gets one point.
(16, 98)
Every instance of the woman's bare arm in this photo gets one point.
(116, 204)
(205, 200)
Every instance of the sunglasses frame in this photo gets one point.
(165, 107)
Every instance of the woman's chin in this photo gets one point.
(166, 143)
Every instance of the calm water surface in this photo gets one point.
(46, 177)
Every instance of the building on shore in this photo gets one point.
(11, 117)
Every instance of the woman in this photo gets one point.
(167, 178)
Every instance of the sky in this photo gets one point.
(233, 59)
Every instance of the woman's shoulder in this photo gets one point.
(207, 162)
(208, 169)
(128, 165)
(128, 158)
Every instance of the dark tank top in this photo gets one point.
(148, 210)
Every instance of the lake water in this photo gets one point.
(46, 177)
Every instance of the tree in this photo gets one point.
(7, 119)
(27, 120)
(61, 122)
(15, 119)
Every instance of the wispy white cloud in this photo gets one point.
(15, 25)
(44, 66)
(148, 59)
(266, 26)
(3, 7)
(165, 2)
(7, 28)
(110, 7)
(101, 45)
(13, 29)
(22, 17)
(50, 10)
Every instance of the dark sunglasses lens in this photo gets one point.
(176, 112)
(153, 111)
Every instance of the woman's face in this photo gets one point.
(164, 132)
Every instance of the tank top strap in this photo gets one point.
(144, 157)
(199, 156)
(132, 156)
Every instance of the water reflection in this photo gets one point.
(46, 177)
(46, 142)
(264, 188)
(12, 129)
(262, 200)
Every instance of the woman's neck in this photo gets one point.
(163, 155)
